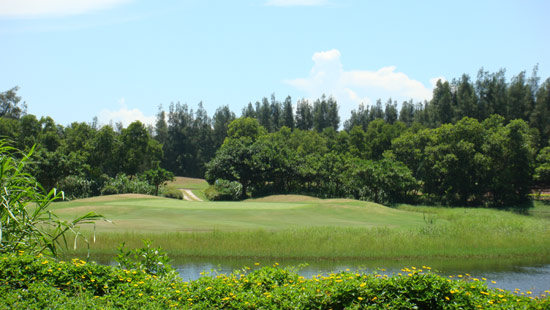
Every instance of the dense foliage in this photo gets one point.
(34, 282)
(467, 163)
(476, 142)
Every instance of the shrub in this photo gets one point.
(109, 189)
(76, 187)
(224, 190)
(171, 192)
(123, 184)
(153, 261)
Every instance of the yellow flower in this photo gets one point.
(360, 298)
(447, 298)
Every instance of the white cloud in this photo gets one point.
(350, 88)
(296, 2)
(40, 8)
(124, 115)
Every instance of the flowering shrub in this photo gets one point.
(36, 282)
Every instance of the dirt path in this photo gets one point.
(188, 195)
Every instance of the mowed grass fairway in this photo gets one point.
(291, 226)
(142, 213)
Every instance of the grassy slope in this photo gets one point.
(289, 226)
(151, 214)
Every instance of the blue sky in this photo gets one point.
(120, 59)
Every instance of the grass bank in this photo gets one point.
(304, 227)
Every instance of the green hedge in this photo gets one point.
(28, 282)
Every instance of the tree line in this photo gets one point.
(472, 163)
(302, 148)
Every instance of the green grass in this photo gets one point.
(142, 214)
(541, 210)
(290, 226)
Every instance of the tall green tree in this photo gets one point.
(276, 114)
(10, 104)
(161, 127)
(541, 113)
(263, 112)
(288, 113)
(390, 112)
(521, 99)
(359, 117)
(325, 114)
(249, 111)
(491, 90)
(220, 122)
(304, 115)
(466, 99)
(239, 158)
(442, 104)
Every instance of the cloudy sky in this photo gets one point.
(119, 59)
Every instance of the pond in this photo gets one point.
(527, 274)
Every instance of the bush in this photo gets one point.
(171, 192)
(224, 190)
(153, 261)
(123, 184)
(76, 187)
(109, 190)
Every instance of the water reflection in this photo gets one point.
(526, 274)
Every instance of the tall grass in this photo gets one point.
(455, 239)
(444, 232)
